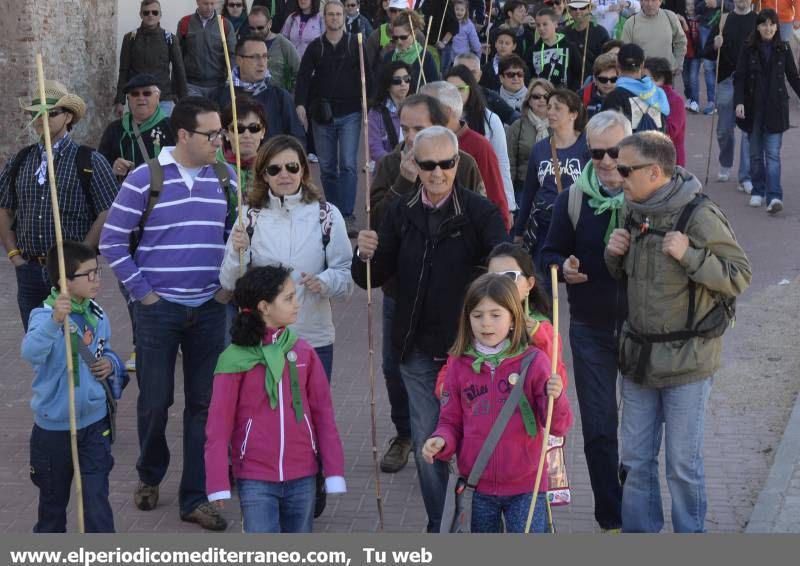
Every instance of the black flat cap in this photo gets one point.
(140, 80)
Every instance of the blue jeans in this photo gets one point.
(726, 131)
(419, 371)
(765, 162)
(487, 511)
(277, 507)
(709, 67)
(395, 389)
(691, 86)
(681, 411)
(160, 329)
(594, 358)
(33, 287)
(51, 472)
(325, 354)
(337, 149)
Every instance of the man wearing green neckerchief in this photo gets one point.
(583, 218)
(141, 132)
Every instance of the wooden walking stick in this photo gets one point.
(553, 371)
(221, 22)
(714, 114)
(62, 284)
(488, 28)
(422, 58)
(441, 24)
(585, 45)
(370, 343)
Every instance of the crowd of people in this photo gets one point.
(499, 144)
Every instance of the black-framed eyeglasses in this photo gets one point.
(400, 37)
(292, 167)
(600, 153)
(253, 128)
(211, 136)
(512, 274)
(626, 170)
(605, 80)
(256, 56)
(514, 74)
(151, 12)
(444, 165)
(92, 275)
(397, 81)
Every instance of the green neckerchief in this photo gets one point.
(81, 308)
(528, 417)
(598, 201)
(385, 39)
(410, 55)
(147, 125)
(238, 359)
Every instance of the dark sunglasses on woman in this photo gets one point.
(252, 128)
(397, 81)
(606, 80)
(292, 167)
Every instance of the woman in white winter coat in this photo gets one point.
(288, 222)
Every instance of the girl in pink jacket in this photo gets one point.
(492, 340)
(271, 404)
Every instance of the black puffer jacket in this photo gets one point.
(433, 271)
(763, 88)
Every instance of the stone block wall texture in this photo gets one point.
(77, 40)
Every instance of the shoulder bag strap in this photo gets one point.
(556, 163)
(138, 134)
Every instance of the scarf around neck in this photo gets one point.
(541, 125)
(85, 309)
(410, 55)
(41, 171)
(676, 194)
(253, 89)
(647, 91)
(514, 99)
(146, 126)
(589, 184)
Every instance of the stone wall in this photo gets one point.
(77, 40)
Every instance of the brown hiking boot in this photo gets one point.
(396, 456)
(146, 496)
(207, 516)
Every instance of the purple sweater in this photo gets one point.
(378, 137)
(466, 39)
(180, 254)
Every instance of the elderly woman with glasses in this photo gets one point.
(288, 222)
(394, 85)
(409, 50)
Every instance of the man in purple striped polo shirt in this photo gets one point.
(173, 277)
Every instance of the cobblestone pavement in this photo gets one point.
(736, 465)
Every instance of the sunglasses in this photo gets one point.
(138, 93)
(463, 88)
(151, 12)
(605, 80)
(400, 37)
(445, 165)
(396, 81)
(252, 128)
(626, 170)
(599, 153)
(539, 96)
(235, 4)
(54, 113)
(92, 275)
(292, 167)
(511, 274)
(514, 74)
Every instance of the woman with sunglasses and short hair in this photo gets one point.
(411, 51)
(513, 74)
(288, 222)
(394, 85)
(602, 81)
(235, 11)
(252, 126)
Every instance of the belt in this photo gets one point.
(38, 259)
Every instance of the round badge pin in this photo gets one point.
(291, 356)
(512, 379)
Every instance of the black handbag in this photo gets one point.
(321, 495)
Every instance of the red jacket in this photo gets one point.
(676, 123)
(470, 141)
(269, 444)
(470, 404)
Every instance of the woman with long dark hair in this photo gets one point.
(394, 84)
(765, 65)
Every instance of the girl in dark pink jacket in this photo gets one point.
(271, 404)
(487, 357)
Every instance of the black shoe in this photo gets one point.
(146, 496)
(207, 516)
(396, 457)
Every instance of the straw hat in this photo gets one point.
(57, 96)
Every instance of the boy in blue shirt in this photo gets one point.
(97, 370)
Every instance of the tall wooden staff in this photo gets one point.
(370, 344)
(221, 22)
(716, 81)
(488, 27)
(422, 57)
(62, 284)
(585, 45)
(553, 371)
(441, 24)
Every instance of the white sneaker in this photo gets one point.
(755, 201)
(130, 364)
(312, 157)
(745, 187)
(724, 174)
(692, 106)
(775, 206)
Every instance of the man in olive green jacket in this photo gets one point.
(666, 361)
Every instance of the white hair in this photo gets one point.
(447, 95)
(434, 132)
(469, 56)
(605, 120)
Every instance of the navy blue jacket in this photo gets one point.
(601, 301)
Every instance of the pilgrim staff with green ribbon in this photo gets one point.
(62, 280)
(271, 403)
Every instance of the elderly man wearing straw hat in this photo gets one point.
(86, 188)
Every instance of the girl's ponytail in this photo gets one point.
(258, 284)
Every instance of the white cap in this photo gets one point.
(398, 4)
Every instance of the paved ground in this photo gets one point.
(740, 436)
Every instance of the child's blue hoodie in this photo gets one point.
(43, 346)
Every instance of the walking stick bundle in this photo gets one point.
(714, 114)
(62, 284)
(221, 22)
(370, 343)
(553, 371)
(585, 45)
